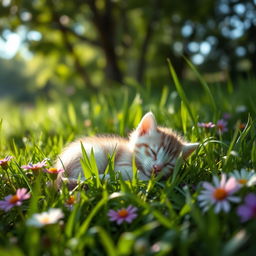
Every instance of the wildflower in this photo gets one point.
(53, 172)
(247, 211)
(45, 218)
(222, 126)
(14, 200)
(241, 109)
(125, 214)
(34, 167)
(244, 177)
(4, 161)
(242, 126)
(219, 194)
(206, 125)
(226, 116)
(70, 202)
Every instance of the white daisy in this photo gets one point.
(220, 194)
(45, 218)
(244, 177)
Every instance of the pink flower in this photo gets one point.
(206, 125)
(125, 214)
(4, 161)
(14, 200)
(220, 194)
(34, 167)
(53, 170)
(222, 126)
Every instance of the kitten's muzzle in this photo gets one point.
(157, 168)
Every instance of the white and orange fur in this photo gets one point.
(155, 149)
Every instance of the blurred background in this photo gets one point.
(63, 47)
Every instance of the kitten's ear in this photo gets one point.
(188, 149)
(147, 124)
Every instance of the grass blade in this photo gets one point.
(106, 241)
(204, 85)
(94, 211)
(182, 94)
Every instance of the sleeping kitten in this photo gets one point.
(156, 150)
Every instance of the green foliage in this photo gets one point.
(101, 43)
(169, 219)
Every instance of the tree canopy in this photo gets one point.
(93, 43)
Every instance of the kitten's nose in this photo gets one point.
(157, 168)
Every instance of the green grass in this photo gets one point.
(170, 221)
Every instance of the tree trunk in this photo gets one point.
(105, 26)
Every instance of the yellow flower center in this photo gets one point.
(14, 199)
(220, 194)
(53, 170)
(71, 200)
(123, 213)
(45, 220)
(242, 181)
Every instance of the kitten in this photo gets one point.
(155, 148)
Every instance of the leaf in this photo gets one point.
(85, 163)
(94, 169)
(184, 117)
(164, 97)
(72, 220)
(85, 225)
(125, 243)
(106, 241)
(204, 85)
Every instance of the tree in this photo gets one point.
(124, 38)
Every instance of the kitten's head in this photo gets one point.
(156, 148)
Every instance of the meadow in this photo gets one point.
(204, 208)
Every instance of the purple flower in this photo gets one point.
(226, 116)
(125, 214)
(206, 125)
(14, 200)
(4, 161)
(34, 167)
(247, 211)
(220, 194)
(222, 126)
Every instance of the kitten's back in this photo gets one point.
(102, 146)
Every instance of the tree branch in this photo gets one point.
(81, 37)
(79, 67)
